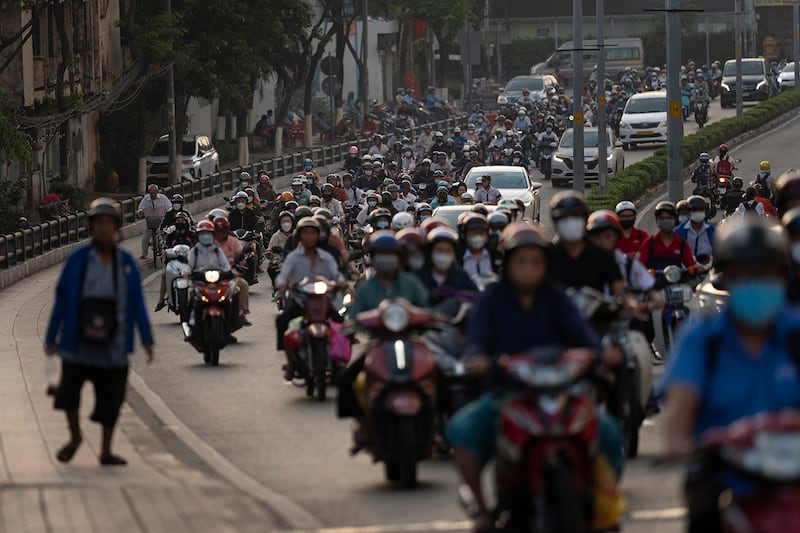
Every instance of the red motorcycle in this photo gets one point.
(545, 446)
(216, 313)
(766, 449)
(399, 387)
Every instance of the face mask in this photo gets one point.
(307, 167)
(682, 219)
(756, 302)
(385, 264)
(627, 224)
(310, 182)
(442, 261)
(415, 262)
(382, 224)
(241, 206)
(286, 227)
(697, 216)
(476, 242)
(205, 239)
(372, 204)
(571, 229)
(244, 184)
(665, 224)
(176, 206)
(367, 172)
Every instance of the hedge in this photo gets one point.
(638, 178)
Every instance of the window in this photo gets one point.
(533, 84)
(627, 53)
(749, 68)
(647, 105)
(500, 179)
(188, 148)
(589, 139)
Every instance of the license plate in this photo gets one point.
(746, 93)
(645, 132)
(675, 293)
(722, 190)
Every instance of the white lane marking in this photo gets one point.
(288, 510)
(670, 513)
(146, 281)
(439, 525)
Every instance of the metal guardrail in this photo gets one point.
(21, 245)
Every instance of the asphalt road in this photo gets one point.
(297, 448)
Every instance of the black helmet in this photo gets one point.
(738, 182)
(383, 242)
(520, 234)
(791, 221)
(682, 206)
(303, 211)
(497, 221)
(696, 202)
(105, 206)
(474, 221)
(380, 212)
(480, 209)
(666, 207)
(787, 189)
(568, 203)
(750, 242)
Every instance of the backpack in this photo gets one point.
(750, 206)
(724, 167)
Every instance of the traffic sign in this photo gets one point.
(578, 119)
(675, 109)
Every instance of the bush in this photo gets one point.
(636, 179)
(77, 196)
(11, 195)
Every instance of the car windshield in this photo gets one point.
(451, 214)
(517, 84)
(647, 105)
(188, 148)
(161, 148)
(589, 139)
(749, 68)
(500, 179)
(788, 68)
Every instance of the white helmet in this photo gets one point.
(401, 220)
(625, 206)
(522, 112)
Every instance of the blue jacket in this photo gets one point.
(63, 327)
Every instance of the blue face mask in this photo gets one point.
(205, 238)
(757, 302)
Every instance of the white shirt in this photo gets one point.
(698, 242)
(640, 278)
(477, 265)
(741, 210)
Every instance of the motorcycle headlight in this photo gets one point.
(211, 276)
(672, 274)
(319, 287)
(395, 318)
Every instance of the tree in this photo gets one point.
(15, 145)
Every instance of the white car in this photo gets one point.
(644, 119)
(513, 183)
(196, 152)
(563, 161)
(786, 77)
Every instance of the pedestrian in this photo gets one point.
(99, 300)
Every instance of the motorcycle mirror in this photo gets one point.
(718, 281)
(226, 198)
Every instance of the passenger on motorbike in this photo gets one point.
(525, 310)
(476, 258)
(604, 231)
(245, 181)
(749, 205)
(739, 363)
(182, 234)
(338, 191)
(664, 247)
(441, 163)
(234, 253)
(442, 275)
(698, 232)
(177, 208)
(632, 237)
(702, 173)
(278, 240)
(766, 180)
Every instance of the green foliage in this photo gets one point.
(638, 178)
(522, 54)
(446, 19)
(11, 196)
(14, 144)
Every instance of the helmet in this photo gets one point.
(520, 234)
(723, 148)
(291, 205)
(497, 221)
(410, 238)
(442, 234)
(307, 161)
(704, 157)
(522, 112)
(787, 189)
(568, 203)
(791, 221)
(240, 195)
(222, 223)
(285, 214)
(105, 206)
(381, 212)
(442, 189)
(392, 187)
(182, 218)
(332, 177)
(424, 206)
(625, 206)
(314, 199)
(366, 158)
(298, 180)
(682, 206)
(480, 209)
(323, 224)
(204, 225)
(426, 161)
(438, 174)
(291, 339)
(466, 199)
(285, 197)
(738, 182)
(430, 224)
(308, 222)
(245, 176)
(602, 220)
(402, 220)
(764, 165)
(749, 242)
(474, 221)
(328, 187)
(666, 207)
(303, 211)
(214, 213)
(696, 202)
(177, 198)
(383, 242)
(263, 177)
(324, 213)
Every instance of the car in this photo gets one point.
(786, 77)
(644, 119)
(756, 81)
(563, 161)
(451, 212)
(197, 153)
(539, 86)
(513, 183)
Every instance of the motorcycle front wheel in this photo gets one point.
(566, 510)
(215, 333)
(319, 356)
(404, 471)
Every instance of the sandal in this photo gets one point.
(113, 460)
(66, 452)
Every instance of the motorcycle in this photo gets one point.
(700, 113)
(398, 386)
(176, 273)
(250, 257)
(678, 292)
(210, 330)
(766, 449)
(308, 337)
(546, 151)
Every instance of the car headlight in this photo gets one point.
(610, 156)
(395, 318)
(625, 125)
(662, 124)
(502, 99)
(762, 85)
(211, 276)
(557, 157)
(780, 79)
(724, 86)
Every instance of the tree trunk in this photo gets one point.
(279, 140)
(241, 134)
(441, 66)
(66, 54)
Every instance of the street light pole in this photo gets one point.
(738, 24)
(796, 41)
(577, 97)
(674, 118)
(364, 77)
(602, 157)
(174, 173)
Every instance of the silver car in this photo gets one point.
(513, 183)
(197, 155)
(563, 161)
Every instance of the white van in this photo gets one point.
(620, 54)
(644, 119)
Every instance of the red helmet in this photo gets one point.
(603, 220)
(222, 223)
(723, 148)
(410, 238)
(291, 340)
(430, 224)
(205, 225)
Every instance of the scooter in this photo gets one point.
(398, 387)
(546, 158)
(700, 113)
(250, 259)
(677, 292)
(214, 297)
(177, 272)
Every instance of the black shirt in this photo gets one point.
(594, 267)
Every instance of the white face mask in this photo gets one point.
(286, 227)
(176, 206)
(697, 216)
(682, 219)
(442, 261)
(571, 229)
(795, 250)
(476, 242)
(241, 206)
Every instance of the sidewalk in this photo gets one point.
(155, 492)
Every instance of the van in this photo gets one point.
(620, 54)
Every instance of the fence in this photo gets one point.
(17, 247)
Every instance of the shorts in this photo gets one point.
(109, 390)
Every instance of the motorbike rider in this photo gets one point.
(787, 191)
(278, 240)
(664, 247)
(305, 261)
(301, 194)
(234, 253)
(749, 205)
(378, 148)
(769, 209)
(702, 173)
(442, 275)
(373, 199)
(338, 191)
(441, 163)
(354, 194)
(424, 212)
(182, 234)
(245, 181)
(723, 164)
(442, 197)
(242, 216)
(330, 203)
(407, 192)
(308, 168)
(604, 230)
(525, 310)
(698, 232)
(458, 139)
(523, 121)
(734, 196)
(154, 205)
(399, 204)
(264, 189)
(765, 179)
(476, 258)
(547, 136)
(408, 162)
(484, 192)
(177, 208)
(424, 141)
(352, 163)
(738, 363)
(631, 237)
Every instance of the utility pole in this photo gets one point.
(738, 25)
(796, 41)
(577, 97)
(602, 156)
(364, 76)
(174, 172)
